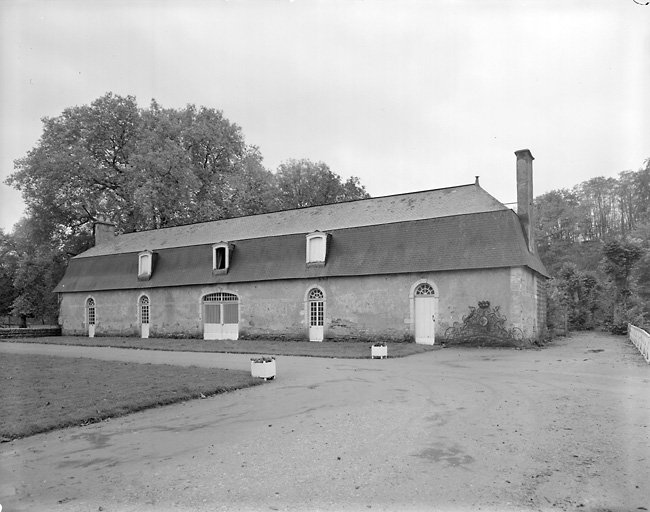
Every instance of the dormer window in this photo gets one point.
(145, 265)
(316, 248)
(221, 255)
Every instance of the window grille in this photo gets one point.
(221, 297)
(144, 309)
(316, 294)
(91, 311)
(316, 313)
(425, 289)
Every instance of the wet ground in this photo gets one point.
(563, 428)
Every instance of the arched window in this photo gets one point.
(316, 294)
(90, 311)
(221, 297)
(425, 289)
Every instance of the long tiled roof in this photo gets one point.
(490, 239)
(430, 204)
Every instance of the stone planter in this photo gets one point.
(263, 367)
(379, 352)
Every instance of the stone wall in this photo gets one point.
(30, 332)
(357, 307)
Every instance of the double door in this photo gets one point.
(221, 317)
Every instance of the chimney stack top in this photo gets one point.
(524, 153)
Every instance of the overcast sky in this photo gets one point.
(406, 95)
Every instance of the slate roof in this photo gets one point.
(489, 239)
(444, 202)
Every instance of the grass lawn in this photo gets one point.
(42, 393)
(340, 349)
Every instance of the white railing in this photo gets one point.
(641, 339)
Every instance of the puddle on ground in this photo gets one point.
(437, 419)
(451, 456)
(105, 462)
(95, 439)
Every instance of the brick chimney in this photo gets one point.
(104, 232)
(525, 195)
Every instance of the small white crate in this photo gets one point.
(379, 352)
(263, 368)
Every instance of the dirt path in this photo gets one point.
(565, 428)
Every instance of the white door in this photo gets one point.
(316, 320)
(426, 312)
(220, 316)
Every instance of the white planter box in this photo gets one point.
(265, 370)
(378, 352)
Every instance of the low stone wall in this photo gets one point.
(30, 332)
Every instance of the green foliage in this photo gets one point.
(304, 183)
(33, 269)
(595, 240)
(576, 294)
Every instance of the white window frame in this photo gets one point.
(227, 249)
(312, 236)
(145, 275)
(144, 304)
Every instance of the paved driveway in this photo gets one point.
(564, 428)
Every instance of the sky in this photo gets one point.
(407, 95)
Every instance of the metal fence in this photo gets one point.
(641, 340)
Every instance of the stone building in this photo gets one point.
(451, 262)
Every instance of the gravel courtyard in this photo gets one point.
(563, 428)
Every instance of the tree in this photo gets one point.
(7, 272)
(579, 295)
(254, 189)
(34, 269)
(620, 257)
(304, 183)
